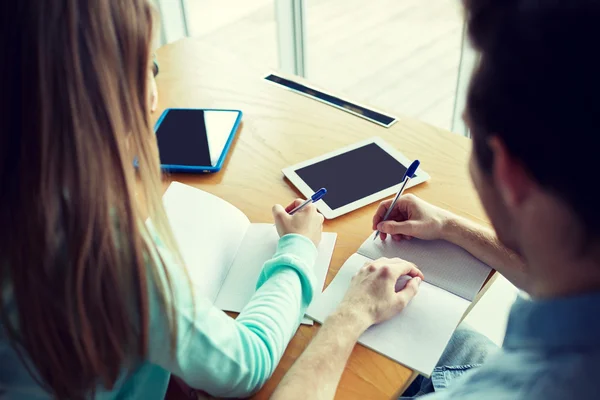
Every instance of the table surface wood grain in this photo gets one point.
(281, 128)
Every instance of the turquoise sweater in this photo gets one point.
(223, 356)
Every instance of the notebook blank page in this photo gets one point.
(258, 246)
(208, 231)
(444, 264)
(417, 336)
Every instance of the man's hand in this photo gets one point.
(371, 298)
(374, 296)
(411, 217)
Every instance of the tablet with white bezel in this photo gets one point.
(354, 176)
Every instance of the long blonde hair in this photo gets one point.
(74, 251)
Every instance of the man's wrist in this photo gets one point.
(354, 321)
(453, 228)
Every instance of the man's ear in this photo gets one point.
(510, 176)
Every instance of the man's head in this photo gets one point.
(533, 108)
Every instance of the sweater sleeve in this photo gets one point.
(234, 357)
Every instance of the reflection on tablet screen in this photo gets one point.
(353, 175)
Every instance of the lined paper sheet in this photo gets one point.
(444, 264)
(209, 232)
(417, 336)
(258, 246)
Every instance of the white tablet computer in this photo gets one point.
(354, 176)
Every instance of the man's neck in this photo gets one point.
(558, 278)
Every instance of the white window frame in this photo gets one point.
(174, 20)
(291, 30)
(291, 36)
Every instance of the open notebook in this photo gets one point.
(223, 251)
(418, 335)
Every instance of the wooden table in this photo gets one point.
(281, 128)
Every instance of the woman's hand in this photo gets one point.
(306, 222)
(380, 290)
(411, 217)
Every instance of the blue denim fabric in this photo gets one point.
(466, 350)
(551, 351)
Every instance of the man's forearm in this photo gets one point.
(483, 244)
(316, 374)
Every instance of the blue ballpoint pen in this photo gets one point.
(312, 199)
(407, 176)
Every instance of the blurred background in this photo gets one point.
(401, 56)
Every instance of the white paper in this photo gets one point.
(209, 232)
(258, 246)
(215, 237)
(417, 336)
(444, 264)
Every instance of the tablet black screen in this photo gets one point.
(182, 138)
(353, 175)
(194, 137)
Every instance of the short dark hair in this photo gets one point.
(537, 88)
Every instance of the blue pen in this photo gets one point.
(407, 176)
(314, 198)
